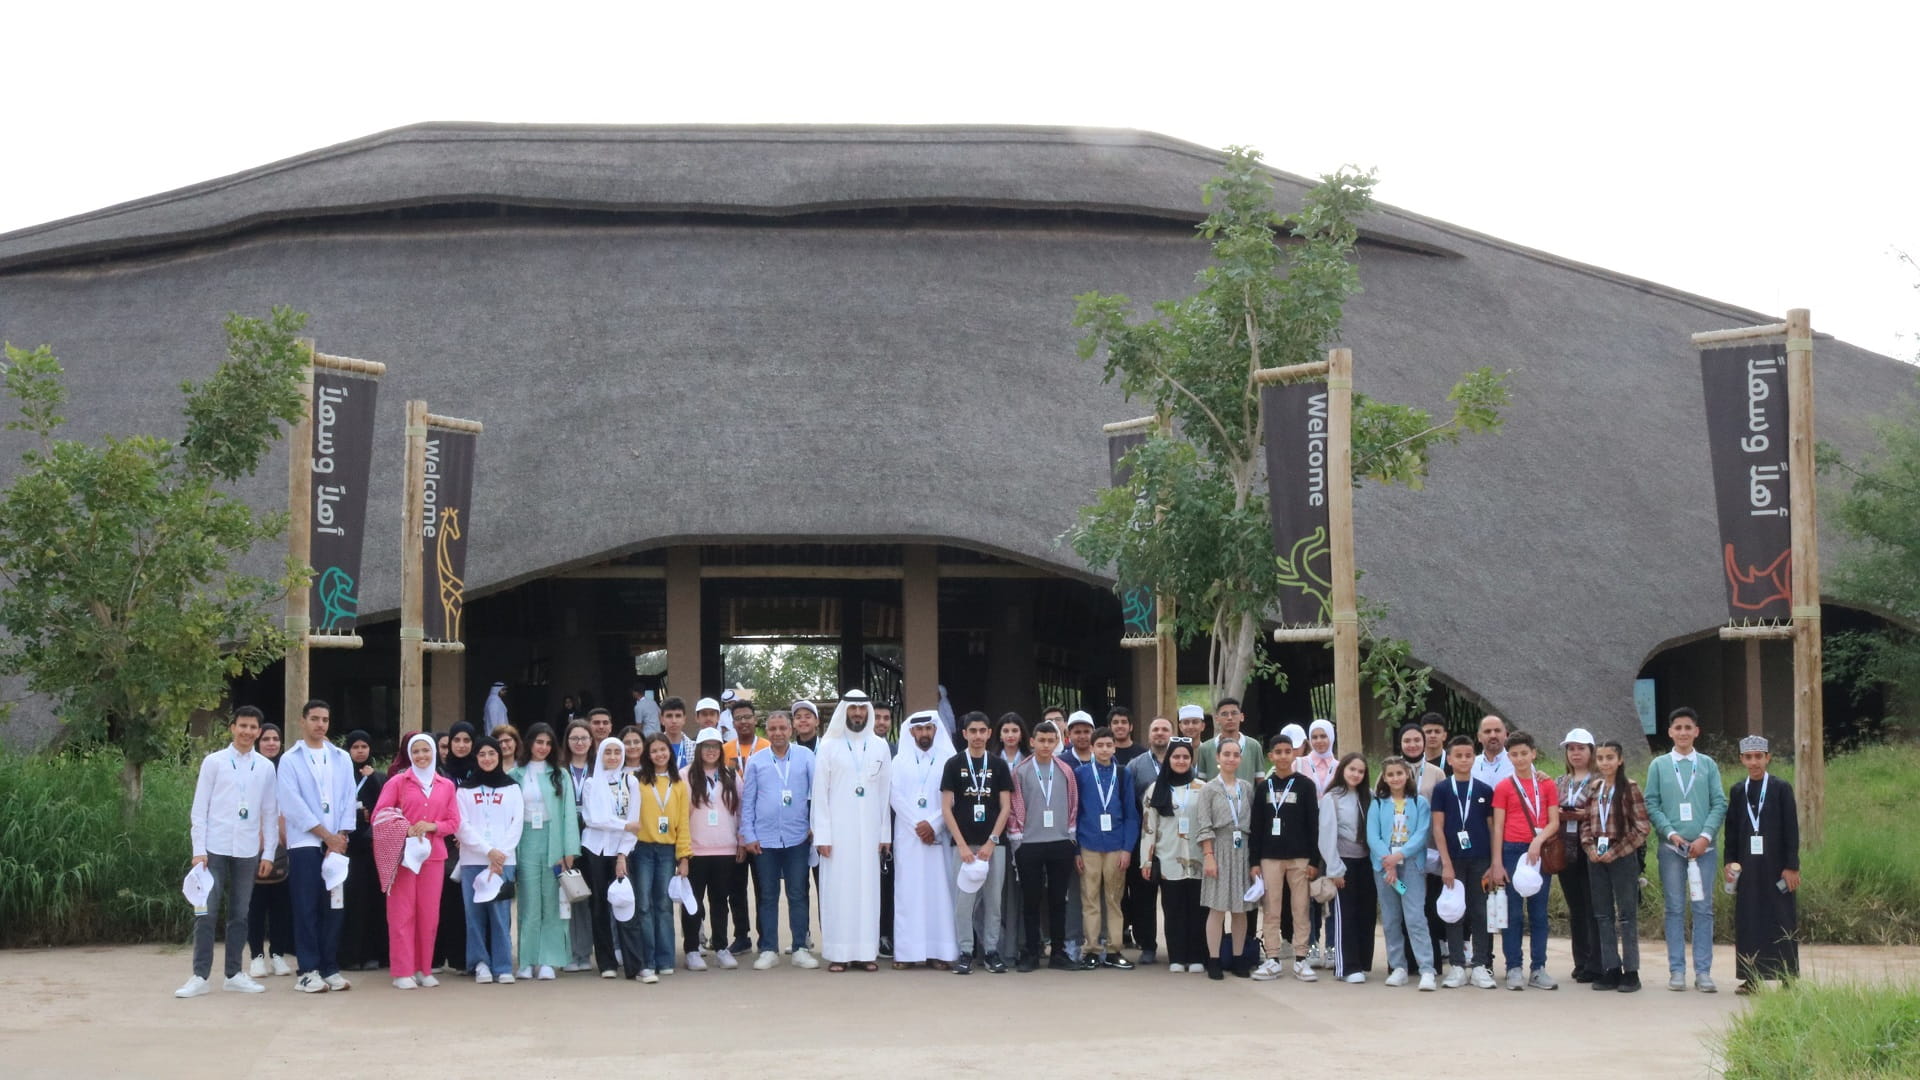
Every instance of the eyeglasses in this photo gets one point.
(1180, 740)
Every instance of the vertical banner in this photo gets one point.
(342, 462)
(1139, 619)
(1296, 426)
(446, 497)
(1746, 397)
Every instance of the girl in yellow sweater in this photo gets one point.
(662, 852)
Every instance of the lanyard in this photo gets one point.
(322, 767)
(1180, 804)
(234, 760)
(660, 800)
(1106, 794)
(620, 799)
(1273, 796)
(1014, 761)
(1533, 803)
(1603, 808)
(784, 767)
(1233, 803)
(1693, 774)
(1754, 812)
(1459, 800)
(713, 789)
(1046, 786)
(977, 780)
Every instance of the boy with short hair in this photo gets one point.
(1763, 866)
(1463, 822)
(1686, 805)
(235, 830)
(1526, 811)
(1286, 841)
(673, 724)
(1108, 831)
(1043, 830)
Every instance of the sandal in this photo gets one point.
(898, 966)
(939, 965)
(836, 967)
(869, 966)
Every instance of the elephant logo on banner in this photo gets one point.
(337, 602)
(1137, 611)
(452, 586)
(1306, 570)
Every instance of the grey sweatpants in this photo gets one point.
(233, 877)
(984, 903)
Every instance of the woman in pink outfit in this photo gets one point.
(413, 904)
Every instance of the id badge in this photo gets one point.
(713, 817)
(1756, 844)
(1276, 827)
(1465, 839)
(921, 802)
(1601, 845)
(1106, 823)
(1686, 811)
(243, 813)
(326, 808)
(786, 797)
(979, 813)
(1183, 826)
(661, 828)
(1046, 819)
(1238, 840)
(1573, 828)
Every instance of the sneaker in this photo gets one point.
(804, 959)
(696, 962)
(243, 984)
(258, 969)
(1116, 962)
(426, 980)
(280, 965)
(649, 976)
(886, 946)
(1704, 984)
(609, 974)
(1326, 959)
(405, 982)
(1026, 963)
(1540, 980)
(1356, 978)
(1582, 975)
(193, 987)
(767, 959)
(1060, 961)
(1677, 981)
(740, 947)
(1630, 982)
(573, 967)
(962, 967)
(524, 973)
(1177, 969)
(337, 981)
(1606, 980)
(1149, 957)
(311, 983)
(1482, 977)
(1427, 981)
(546, 973)
(1516, 980)
(482, 975)
(1089, 962)
(505, 979)
(1397, 977)
(726, 959)
(1268, 970)
(995, 965)
(1303, 970)
(664, 971)
(1456, 978)
(1212, 968)
(1313, 956)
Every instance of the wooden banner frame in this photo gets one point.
(1166, 655)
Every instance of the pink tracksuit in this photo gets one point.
(413, 907)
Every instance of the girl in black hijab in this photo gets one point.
(460, 745)
(270, 918)
(363, 936)
(450, 940)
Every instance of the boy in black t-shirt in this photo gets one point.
(1463, 815)
(975, 796)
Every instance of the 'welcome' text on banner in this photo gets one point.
(1296, 429)
(445, 525)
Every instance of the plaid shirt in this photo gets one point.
(1625, 832)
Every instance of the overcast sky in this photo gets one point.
(1761, 154)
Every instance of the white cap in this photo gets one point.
(333, 870)
(973, 875)
(199, 885)
(414, 855)
(1079, 717)
(679, 888)
(704, 704)
(707, 735)
(1192, 712)
(486, 886)
(1295, 734)
(728, 695)
(1452, 902)
(620, 899)
(1578, 735)
(1526, 878)
(1255, 891)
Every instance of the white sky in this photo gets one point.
(1757, 153)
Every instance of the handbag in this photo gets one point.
(1553, 850)
(573, 886)
(282, 864)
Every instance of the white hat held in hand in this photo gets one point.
(1452, 903)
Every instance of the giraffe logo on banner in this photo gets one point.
(452, 586)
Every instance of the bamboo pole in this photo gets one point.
(1742, 333)
(1166, 652)
(1756, 712)
(1346, 620)
(1809, 736)
(412, 601)
(300, 541)
(1293, 372)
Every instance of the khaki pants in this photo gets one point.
(1102, 880)
(1292, 875)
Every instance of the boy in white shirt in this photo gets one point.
(236, 834)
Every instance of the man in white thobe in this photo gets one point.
(850, 810)
(922, 898)
(494, 714)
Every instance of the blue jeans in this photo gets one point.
(1524, 914)
(772, 868)
(651, 868)
(1405, 917)
(489, 941)
(316, 922)
(1673, 883)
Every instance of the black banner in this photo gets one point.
(1137, 610)
(342, 462)
(1296, 425)
(1746, 395)
(443, 537)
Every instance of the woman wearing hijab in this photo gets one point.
(426, 800)
(548, 844)
(610, 805)
(491, 821)
(459, 759)
(270, 918)
(1169, 854)
(450, 944)
(363, 939)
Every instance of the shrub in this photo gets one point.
(1817, 1032)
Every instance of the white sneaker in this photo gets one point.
(765, 960)
(1313, 956)
(1326, 960)
(1427, 982)
(1196, 969)
(280, 966)
(665, 971)
(482, 975)
(193, 987)
(426, 979)
(573, 967)
(696, 962)
(243, 984)
(1516, 979)
(546, 973)
(258, 969)
(1540, 980)
(648, 976)
(1483, 978)
(726, 959)
(337, 981)
(1177, 969)
(506, 979)
(1356, 978)
(609, 974)
(1456, 978)
(311, 983)
(1303, 970)
(1397, 977)
(525, 972)
(1268, 970)
(405, 982)
(804, 959)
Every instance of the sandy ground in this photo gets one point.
(99, 1012)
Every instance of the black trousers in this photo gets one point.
(737, 899)
(270, 920)
(1045, 871)
(1186, 920)
(1467, 872)
(1581, 928)
(598, 870)
(886, 896)
(1355, 915)
(1138, 904)
(712, 878)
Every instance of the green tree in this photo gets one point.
(1193, 522)
(779, 674)
(121, 601)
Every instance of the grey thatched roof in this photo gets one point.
(912, 378)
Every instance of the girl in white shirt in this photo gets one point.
(491, 812)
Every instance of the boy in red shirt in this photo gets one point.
(1526, 810)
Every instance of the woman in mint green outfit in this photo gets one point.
(549, 840)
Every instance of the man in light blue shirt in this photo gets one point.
(316, 782)
(775, 813)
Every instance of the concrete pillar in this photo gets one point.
(683, 623)
(447, 679)
(920, 626)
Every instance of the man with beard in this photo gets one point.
(923, 929)
(850, 802)
(1491, 766)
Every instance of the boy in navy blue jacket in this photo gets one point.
(1109, 829)
(1463, 814)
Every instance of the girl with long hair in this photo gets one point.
(713, 799)
(1221, 820)
(1169, 853)
(1399, 829)
(270, 918)
(425, 798)
(575, 765)
(1343, 847)
(549, 843)
(662, 852)
(1611, 837)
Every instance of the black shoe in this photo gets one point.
(1149, 957)
(962, 967)
(1213, 970)
(886, 947)
(1240, 969)
(1026, 964)
(1607, 980)
(1088, 962)
(740, 947)
(1116, 962)
(995, 964)
(1629, 982)
(1060, 961)
(1582, 975)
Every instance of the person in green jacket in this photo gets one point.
(1685, 805)
(549, 840)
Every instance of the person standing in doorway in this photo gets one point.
(1686, 806)
(235, 831)
(646, 712)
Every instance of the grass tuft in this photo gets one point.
(1840, 1031)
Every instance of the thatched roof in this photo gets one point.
(879, 320)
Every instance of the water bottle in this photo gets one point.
(1696, 889)
(1734, 881)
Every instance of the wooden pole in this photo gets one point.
(1809, 736)
(300, 541)
(1756, 715)
(412, 600)
(1348, 724)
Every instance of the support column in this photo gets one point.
(1756, 698)
(683, 623)
(920, 626)
(1809, 726)
(1146, 686)
(447, 674)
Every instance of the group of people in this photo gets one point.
(519, 855)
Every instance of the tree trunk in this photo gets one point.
(130, 790)
(1233, 659)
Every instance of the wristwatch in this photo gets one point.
(994, 840)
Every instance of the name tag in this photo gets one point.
(1046, 819)
(786, 797)
(1601, 845)
(661, 828)
(1238, 840)
(979, 813)
(1106, 823)
(1756, 845)
(1183, 826)
(1465, 839)
(1276, 827)
(713, 817)
(1573, 828)
(243, 813)
(1686, 811)
(326, 807)
(922, 801)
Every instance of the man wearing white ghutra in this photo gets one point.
(851, 788)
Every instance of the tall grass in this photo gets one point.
(1845, 1031)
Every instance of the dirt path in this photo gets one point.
(109, 1012)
